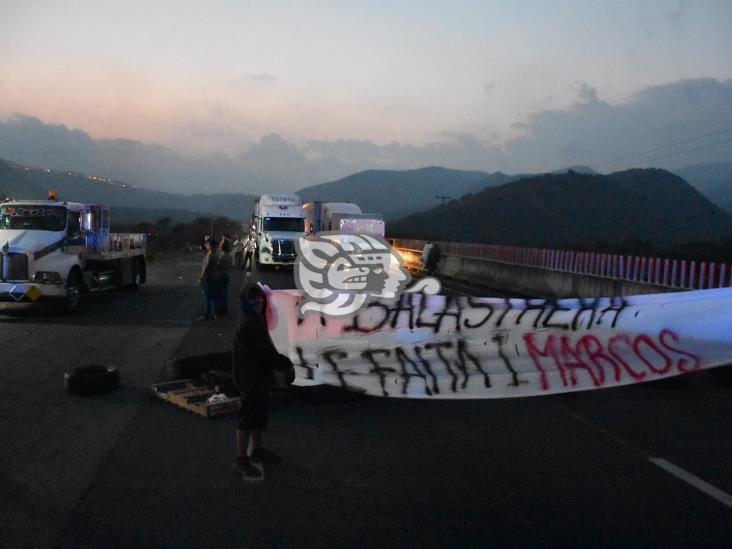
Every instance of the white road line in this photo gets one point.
(693, 480)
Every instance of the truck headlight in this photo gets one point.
(47, 277)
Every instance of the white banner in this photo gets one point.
(466, 347)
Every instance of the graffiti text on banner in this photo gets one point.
(464, 347)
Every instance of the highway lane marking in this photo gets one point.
(666, 465)
(693, 480)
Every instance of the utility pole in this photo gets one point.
(443, 197)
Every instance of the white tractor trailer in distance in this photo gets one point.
(343, 217)
(278, 222)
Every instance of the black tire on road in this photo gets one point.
(92, 379)
(192, 367)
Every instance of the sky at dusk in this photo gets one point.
(219, 76)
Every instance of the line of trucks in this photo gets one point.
(61, 250)
(281, 218)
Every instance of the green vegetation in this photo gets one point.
(165, 236)
(634, 211)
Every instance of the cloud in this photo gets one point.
(261, 77)
(595, 132)
(587, 94)
(592, 131)
(677, 15)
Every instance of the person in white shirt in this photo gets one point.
(249, 249)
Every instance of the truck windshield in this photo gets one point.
(285, 224)
(33, 217)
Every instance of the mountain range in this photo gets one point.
(392, 193)
(131, 204)
(396, 193)
(571, 207)
(576, 210)
(713, 180)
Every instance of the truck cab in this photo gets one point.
(279, 221)
(51, 249)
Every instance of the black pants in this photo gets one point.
(254, 412)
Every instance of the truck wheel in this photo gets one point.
(138, 275)
(72, 299)
(89, 380)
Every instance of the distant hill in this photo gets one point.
(576, 210)
(26, 182)
(122, 216)
(392, 192)
(397, 193)
(14, 183)
(712, 180)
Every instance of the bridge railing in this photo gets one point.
(674, 273)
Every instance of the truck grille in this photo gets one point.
(283, 249)
(15, 266)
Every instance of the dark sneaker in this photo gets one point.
(247, 471)
(262, 455)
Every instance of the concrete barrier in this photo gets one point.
(530, 281)
(637, 272)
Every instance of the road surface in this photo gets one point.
(124, 470)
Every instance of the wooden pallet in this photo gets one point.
(192, 396)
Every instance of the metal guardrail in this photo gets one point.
(673, 273)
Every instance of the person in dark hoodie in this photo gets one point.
(254, 362)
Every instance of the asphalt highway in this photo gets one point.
(646, 465)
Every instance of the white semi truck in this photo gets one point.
(51, 249)
(344, 217)
(278, 222)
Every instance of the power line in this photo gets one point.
(690, 150)
(671, 145)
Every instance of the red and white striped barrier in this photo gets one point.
(672, 273)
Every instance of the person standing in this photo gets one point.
(225, 265)
(254, 361)
(426, 251)
(249, 249)
(208, 281)
(238, 252)
(204, 242)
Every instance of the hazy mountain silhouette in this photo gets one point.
(26, 183)
(14, 183)
(392, 192)
(389, 192)
(397, 193)
(576, 210)
(712, 180)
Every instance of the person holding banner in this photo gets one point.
(254, 363)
